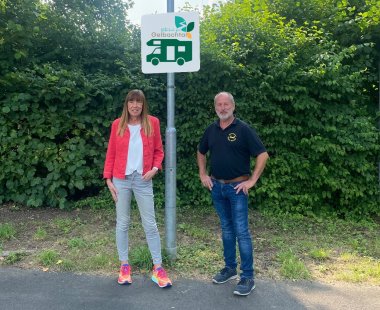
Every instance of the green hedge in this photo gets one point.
(311, 98)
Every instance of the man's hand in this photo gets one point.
(244, 186)
(112, 189)
(206, 181)
(261, 160)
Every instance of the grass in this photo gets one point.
(7, 231)
(357, 269)
(100, 261)
(292, 267)
(194, 231)
(65, 225)
(77, 242)
(67, 265)
(286, 247)
(48, 257)
(140, 257)
(40, 234)
(14, 257)
(199, 258)
(320, 254)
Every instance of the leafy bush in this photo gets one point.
(57, 104)
(308, 88)
(309, 98)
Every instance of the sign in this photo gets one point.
(170, 42)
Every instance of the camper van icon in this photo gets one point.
(169, 50)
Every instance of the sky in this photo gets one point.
(144, 7)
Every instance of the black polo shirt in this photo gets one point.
(230, 149)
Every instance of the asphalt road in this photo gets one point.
(30, 289)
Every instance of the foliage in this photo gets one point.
(57, 101)
(52, 134)
(304, 75)
(309, 97)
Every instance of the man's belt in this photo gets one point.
(238, 179)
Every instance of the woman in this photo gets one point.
(133, 158)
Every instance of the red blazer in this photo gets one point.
(117, 151)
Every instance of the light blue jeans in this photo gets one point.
(143, 192)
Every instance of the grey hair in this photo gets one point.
(224, 93)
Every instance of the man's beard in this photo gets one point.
(225, 116)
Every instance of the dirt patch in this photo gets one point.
(27, 221)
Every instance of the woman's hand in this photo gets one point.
(112, 189)
(149, 175)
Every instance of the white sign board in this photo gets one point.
(170, 42)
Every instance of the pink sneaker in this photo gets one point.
(160, 277)
(125, 275)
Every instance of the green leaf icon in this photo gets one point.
(190, 26)
(181, 23)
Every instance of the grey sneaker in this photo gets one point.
(244, 287)
(225, 275)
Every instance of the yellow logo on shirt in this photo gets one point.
(231, 137)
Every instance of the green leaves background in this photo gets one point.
(305, 76)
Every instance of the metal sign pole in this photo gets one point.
(170, 164)
(379, 111)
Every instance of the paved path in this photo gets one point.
(37, 290)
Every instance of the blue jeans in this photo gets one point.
(143, 192)
(232, 210)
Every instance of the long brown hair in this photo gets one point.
(135, 94)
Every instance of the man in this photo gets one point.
(232, 143)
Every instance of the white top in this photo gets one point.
(135, 151)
